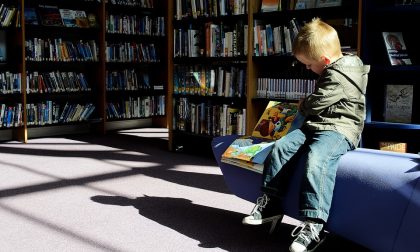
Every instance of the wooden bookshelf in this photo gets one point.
(57, 55)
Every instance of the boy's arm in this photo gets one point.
(326, 93)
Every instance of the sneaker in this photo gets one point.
(263, 212)
(309, 237)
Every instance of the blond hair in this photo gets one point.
(317, 39)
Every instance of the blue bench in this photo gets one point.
(376, 199)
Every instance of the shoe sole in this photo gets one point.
(259, 222)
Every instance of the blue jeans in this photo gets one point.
(321, 151)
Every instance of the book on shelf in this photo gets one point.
(398, 103)
(270, 5)
(305, 4)
(31, 16)
(93, 21)
(50, 15)
(328, 3)
(393, 146)
(250, 152)
(3, 46)
(396, 48)
(68, 17)
(82, 20)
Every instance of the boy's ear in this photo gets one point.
(326, 60)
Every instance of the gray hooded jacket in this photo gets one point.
(338, 102)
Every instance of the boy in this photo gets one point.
(334, 119)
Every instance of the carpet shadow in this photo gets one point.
(212, 227)
(218, 228)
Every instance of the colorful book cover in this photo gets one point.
(81, 19)
(396, 49)
(256, 151)
(276, 121)
(68, 17)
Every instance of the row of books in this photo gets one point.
(215, 40)
(8, 15)
(50, 112)
(208, 119)
(127, 79)
(56, 82)
(51, 15)
(131, 52)
(289, 89)
(136, 3)
(10, 82)
(270, 39)
(55, 49)
(135, 25)
(210, 80)
(209, 8)
(136, 107)
(11, 116)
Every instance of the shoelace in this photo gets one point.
(261, 203)
(307, 232)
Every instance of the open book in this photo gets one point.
(250, 152)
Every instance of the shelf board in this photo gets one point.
(209, 60)
(390, 125)
(326, 13)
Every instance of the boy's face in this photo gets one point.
(313, 65)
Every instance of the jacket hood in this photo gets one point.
(352, 67)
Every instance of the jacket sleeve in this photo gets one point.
(327, 93)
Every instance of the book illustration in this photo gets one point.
(81, 19)
(50, 15)
(398, 103)
(393, 146)
(68, 17)
(248, 152)
(276, 121)
(270, 5)
(396, 49)
(255, 151)
(31, 17)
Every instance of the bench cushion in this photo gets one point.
(376, 199)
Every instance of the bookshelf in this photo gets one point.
(134, 55)
(208, 56)
(262, 66)
(63, 68)
(11, 69)
(390, 16)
